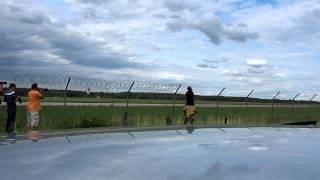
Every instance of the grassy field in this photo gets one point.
(58, 117)
(162, 102)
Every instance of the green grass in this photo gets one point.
(58, 117)
(141, 101)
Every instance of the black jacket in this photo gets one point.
(190, 98)
(10, 98)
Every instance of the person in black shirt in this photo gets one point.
(189, 108)
(10, 98)
(190, 97)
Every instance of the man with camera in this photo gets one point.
(34, 106)
(10, 97)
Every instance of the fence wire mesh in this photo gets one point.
(121, 106)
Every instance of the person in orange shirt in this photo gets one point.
(34, 106)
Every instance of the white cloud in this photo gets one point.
(212, 26)
(280, 75)
(170, 75)
(228, 72)
(256, 62)
(286, 24)
(181, 40)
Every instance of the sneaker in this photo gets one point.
(8, 138)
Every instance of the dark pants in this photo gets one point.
(12, 109)
(188, 119)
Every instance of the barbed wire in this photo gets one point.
(146, 86)
(121, 85)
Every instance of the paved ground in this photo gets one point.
(213, 153)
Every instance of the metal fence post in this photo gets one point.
(274, 97)
(174, 103)
(125, 114)
(292, 102)
(66, 92)
(248, 98)
(309, 108)
(218, 96)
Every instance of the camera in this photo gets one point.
(43, 89)
(20, 100)
(3, 82)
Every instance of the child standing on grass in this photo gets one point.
(34, 106)
(189, 112)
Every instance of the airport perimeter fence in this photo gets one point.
(112, 104)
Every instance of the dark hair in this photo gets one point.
(34, 86)
(189, 88)
(12, 85)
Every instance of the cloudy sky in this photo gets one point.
(267, 45)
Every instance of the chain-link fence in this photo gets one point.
(240, 106)
(75, 102)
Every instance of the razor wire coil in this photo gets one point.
(120, 85)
